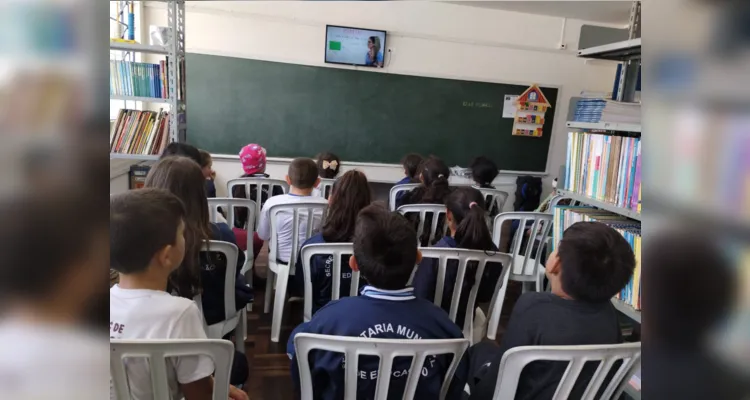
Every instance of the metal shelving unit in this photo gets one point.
(626, 212)
(138, 98)
(626, 309)
(605, 126)
(174, 52)
(627, 52)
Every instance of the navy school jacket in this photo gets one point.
(321, 267)
(425, 280)
(392, 314)
(212, 278)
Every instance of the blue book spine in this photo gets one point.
(636, 145)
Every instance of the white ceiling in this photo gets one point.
(607, 12)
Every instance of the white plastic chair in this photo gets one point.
(436, 210)
(232, 318)
(336, 250)
(526, 267)
(494, 199)
(258, 185)
(279, 272)
(230, 204)
(386, 350)
(155, 354)
(326, 187)
(396, 189)
(463, 256)
(515, 359)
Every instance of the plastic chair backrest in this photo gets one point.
(310, 210)
(463, 256)
(157, 352)
(542, 224)
(386, 350)
(556, 200)
(230, 253)
(494, 199)
(396, 189)
(326, 187)
(258, 185)
(423, 209)
(336, 250)
(515, 359)
(230, 204)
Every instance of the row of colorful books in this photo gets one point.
(566, 216)
(606, 168)
(138, 79)
(139, 132)
(128, 78)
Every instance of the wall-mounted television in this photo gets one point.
(355, 46)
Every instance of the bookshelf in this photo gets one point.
(174, 52)
(628, 53)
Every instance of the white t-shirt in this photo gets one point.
(154, 314)
(45, 361)
(284, 222)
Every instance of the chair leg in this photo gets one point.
(495, 310)
(282, 278)
(240, 334)
(269, 291)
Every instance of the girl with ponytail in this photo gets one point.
(434, 188)
(467, 223)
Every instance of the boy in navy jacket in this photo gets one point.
(385, 252)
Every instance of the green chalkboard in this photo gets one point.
(295, 110)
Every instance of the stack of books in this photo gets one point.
(138, 79)
(605, 168)
(139, 132)
(566, 216)
(589, 110)
(601, 110)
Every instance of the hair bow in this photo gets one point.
(330, 164)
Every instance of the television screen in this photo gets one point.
(354, 46)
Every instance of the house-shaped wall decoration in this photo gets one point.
(531, 106)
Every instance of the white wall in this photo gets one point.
(426, 38)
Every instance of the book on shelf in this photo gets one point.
(565, 216)
(127, 78)
(602, 110)
(605, 168)
(139, 132)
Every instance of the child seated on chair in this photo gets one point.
(253, 160)
(592, 263)
(411, 163)
(483, 172)
(329, 166)
(350, 194)
(434, 188)
(467, 224)
(302, 178)
(147, 243)
(385, 252)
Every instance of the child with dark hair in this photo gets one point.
(467, 224)
(302, 178)
(328, 165)
(198, 272)
(434, 188)
(206, 164)
(147, 243)
(350, 194)
(385, 252)
(182, 150)
(592, 263)
(483, 172)
(411, 163)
